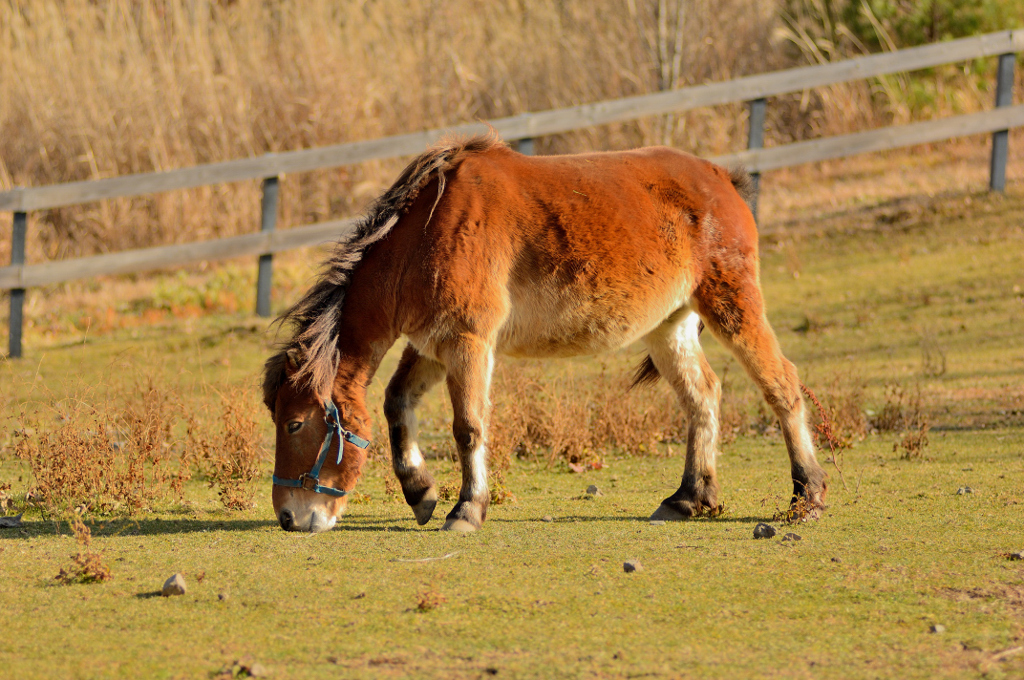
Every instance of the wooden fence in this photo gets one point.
(522, 128)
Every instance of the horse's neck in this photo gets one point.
(360, 355)
(367, 323)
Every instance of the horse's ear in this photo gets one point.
(293, 361)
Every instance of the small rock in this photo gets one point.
(837, 560)
(1016, 556)
(792, 537)
(657, 522)
(592, 490)
(258, 670)
(223, 597)
(547, 518)
(10, 522)
(175, 585)
(937, 628)
(629, 566)
(964, 490)
(763, 530)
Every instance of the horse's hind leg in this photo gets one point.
(414, 376)
(674, 348)
(734, 312)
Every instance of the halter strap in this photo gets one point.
(311, 480)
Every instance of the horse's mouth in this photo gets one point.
(313, 522)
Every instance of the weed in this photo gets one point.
(898, 410)
(903, 413)
(392, 489)
(104, 457)
(563, 419)
(6, 501)
(87, 566)
(448, 491)
(231, 457)
(844, 421)
(915, 439)
(428, 600)
(796, 511)
(500, 492)
(933, 358)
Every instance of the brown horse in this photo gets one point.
(477, 250)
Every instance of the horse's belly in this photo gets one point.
(547, 321)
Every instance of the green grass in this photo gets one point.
(539, 599)
(881, 293)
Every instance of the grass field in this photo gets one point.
(918, 296)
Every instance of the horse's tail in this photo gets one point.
(743, 182)
(646, 373)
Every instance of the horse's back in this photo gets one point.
(565, 255)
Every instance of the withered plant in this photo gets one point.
(103, 455)
(86, 564)
(229, 453)
(904, 413)
(573, 421)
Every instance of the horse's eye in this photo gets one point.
(294, 426)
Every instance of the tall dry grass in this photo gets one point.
(100, 89)
(93, 90)
(127, 446)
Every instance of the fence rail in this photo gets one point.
(525, 127)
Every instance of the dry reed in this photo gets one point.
(104, 89)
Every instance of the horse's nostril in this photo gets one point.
(287, 519)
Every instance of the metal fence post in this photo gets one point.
(525, 146)
(755, 140)
(1001, 138)
(268, 222)
(16, 318)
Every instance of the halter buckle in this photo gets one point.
(307, 482)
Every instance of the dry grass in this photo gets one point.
(231, 456)
(106, 89)
(121, 449)
(576, 420)
(86, 565)
(93, 455)
(429, 599)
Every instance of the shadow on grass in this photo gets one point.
(161, 527)
(131, 527)
(645, 519)
(398, 524)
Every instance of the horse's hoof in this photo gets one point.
(424, 510)
(667, 513)
(459, 525)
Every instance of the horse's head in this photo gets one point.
(310, 484)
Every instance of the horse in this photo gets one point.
(477, 250)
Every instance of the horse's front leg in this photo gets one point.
(415, 375)
(470, 362)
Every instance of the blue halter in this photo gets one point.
(311, 480)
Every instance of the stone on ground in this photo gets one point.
(175, 585)
(763, 530)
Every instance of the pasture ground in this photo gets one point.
(919, 295)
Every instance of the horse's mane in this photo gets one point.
(316, 316)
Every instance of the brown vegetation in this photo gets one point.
(232, 455)
(106, 89)
(122, 451)
(86, 565)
